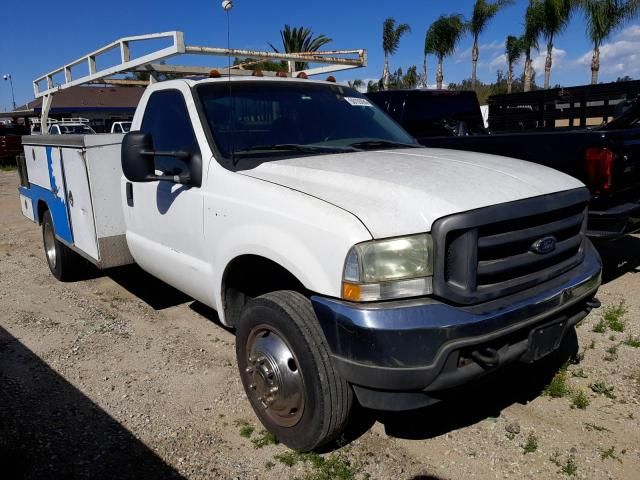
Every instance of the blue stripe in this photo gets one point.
(56, 204)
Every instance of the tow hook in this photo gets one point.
(593, 303)
(487, 357)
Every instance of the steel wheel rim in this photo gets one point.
(50, 245)
(275, 381)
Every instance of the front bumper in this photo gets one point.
(614, 222)
(425, 345)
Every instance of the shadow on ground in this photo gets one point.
(619, 257)
(147, 288)
(483, 400)
(49, 429)
(151, 290)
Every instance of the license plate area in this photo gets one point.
(545, 339)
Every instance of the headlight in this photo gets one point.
(385, 269)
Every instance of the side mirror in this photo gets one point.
(137, 164)
(138, 160)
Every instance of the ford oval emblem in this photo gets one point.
(544, 245)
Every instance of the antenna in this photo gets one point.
(227, 5)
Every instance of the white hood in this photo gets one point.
(399, 192)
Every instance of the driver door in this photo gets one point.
(164, 219)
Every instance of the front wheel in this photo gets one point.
(287, 372)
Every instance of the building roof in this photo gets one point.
(87, 98)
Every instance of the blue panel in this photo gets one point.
(56, 204)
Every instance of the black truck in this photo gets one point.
(606, 157)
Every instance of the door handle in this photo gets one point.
(129, 188)
(70, 198)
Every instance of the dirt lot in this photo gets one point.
(121, 376)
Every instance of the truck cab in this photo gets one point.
(121, 127)
(353, 264)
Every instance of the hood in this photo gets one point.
(399, 192)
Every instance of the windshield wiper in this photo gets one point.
(373, 144)
(296, 147)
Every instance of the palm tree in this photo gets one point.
(603, 18)
(391, 35)
(357, 83)
(300, 40)
(442, 38)
(483, 12)
(555, 18)
(513, 51)
(410, 79)
(532, 31)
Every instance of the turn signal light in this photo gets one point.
(599, 166)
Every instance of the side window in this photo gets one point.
(167, 120)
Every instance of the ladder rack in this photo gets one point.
(153, 63)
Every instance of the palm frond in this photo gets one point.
(391, 35)
(483, 12)
(444, 34)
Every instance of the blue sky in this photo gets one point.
(37, 36)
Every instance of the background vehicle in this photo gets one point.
(121, 127)
(352, 263)
(11, 142)
(71, 126)
(605, 158)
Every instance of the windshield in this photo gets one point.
(271, 119)
(126, 126)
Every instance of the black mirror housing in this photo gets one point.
(137, 164)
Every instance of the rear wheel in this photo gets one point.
(287, 372)
(63, 263)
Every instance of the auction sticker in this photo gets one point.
(358, 102)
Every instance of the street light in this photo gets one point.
(7, 76)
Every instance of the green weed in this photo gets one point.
(594, 427)
(613, 316)
(580, 400)
(558, 387)
(609, 453)
(531, 445)
(579, 373)
(263, 439)
(600, 327)
(612, 354)
(632, 341)
(569, 468)
(333, 467)
(602, 389)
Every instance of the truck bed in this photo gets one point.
(77, 177)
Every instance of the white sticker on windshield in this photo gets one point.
(358, 102)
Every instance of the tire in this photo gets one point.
(63, 262)
(279, 334)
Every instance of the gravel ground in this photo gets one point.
(121, 376)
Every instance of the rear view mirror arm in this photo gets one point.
(179, 154)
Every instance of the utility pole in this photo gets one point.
(7, 76)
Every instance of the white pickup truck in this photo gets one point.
(352, 263)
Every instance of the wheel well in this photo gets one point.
(42, 207)
(249, 276)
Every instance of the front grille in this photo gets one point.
(487, 253)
